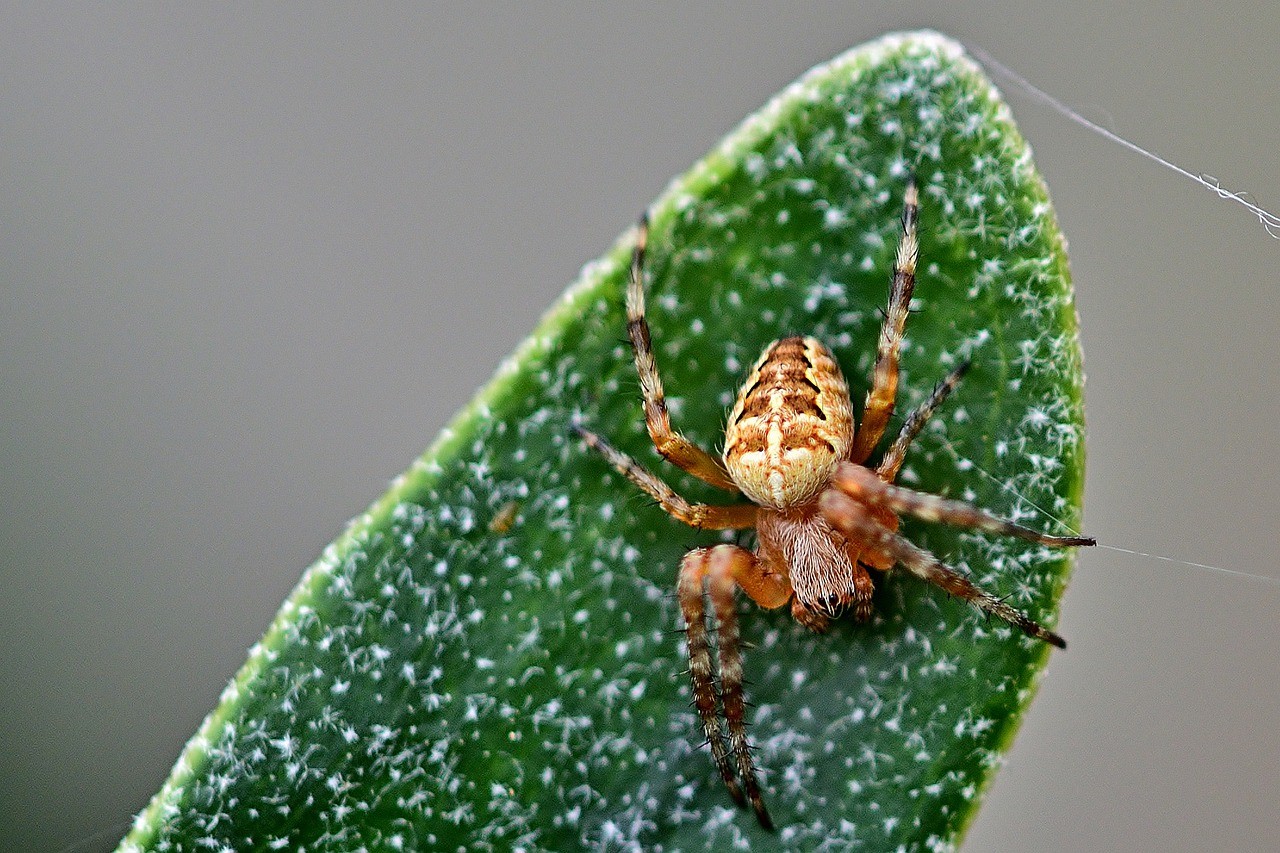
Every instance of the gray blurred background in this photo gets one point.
(251, 262)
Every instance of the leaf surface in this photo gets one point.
(485, 660)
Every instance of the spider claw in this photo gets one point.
(762, 814)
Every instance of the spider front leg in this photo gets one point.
(884, 382)
(866, 486)
(672, 445)
(722, 569)
(854, 520)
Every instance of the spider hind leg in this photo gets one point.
(701, 516)
(884, 380)
(670, 444)
(897, 452)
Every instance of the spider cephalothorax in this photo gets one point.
(822, 516)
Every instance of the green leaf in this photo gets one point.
(485, 659)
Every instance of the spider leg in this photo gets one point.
(865, 485)
(672, 445)
(852, 518)
(915, 422)
(692, 573)
(884, 382)
(724, 568)
(701, 516)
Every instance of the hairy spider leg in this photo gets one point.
(864, 485)
(853, 518)
(701, 516)
(689, 591)
(892, 461)
(722, 569)
(672, 445)
(884, 381)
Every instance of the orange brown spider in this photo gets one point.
(822, 517)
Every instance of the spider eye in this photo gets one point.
(832, 605)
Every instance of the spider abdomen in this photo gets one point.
(791, 425)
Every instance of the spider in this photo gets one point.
(822, 515)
